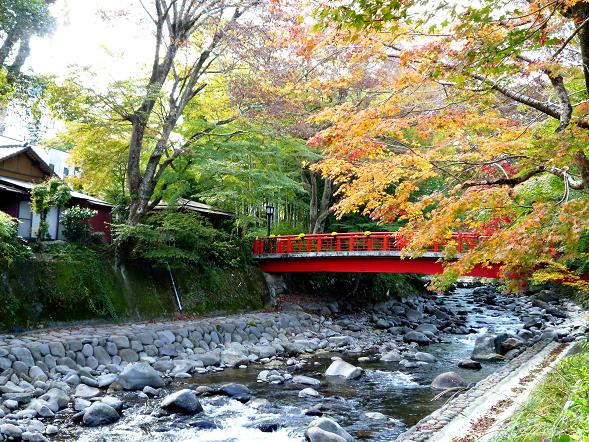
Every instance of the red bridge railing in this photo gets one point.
(350, 242)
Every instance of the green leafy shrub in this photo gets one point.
(76, 227)
(179, 238)
(44, 196)
(11, 247)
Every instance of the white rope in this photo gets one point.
(565, 196)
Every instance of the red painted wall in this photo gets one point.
(101, 221)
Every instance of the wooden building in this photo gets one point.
(21, 168)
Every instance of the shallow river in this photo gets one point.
(403, 395)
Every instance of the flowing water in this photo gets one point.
(403, 395)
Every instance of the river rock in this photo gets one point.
(37, 374)
(484, 349)
(56, 399)
(106, 379)
(469, 364)
(233, 357)
(510, 343)
(309, 393)
(42, 408)
(81, 404)
(23, 355)
(328, 426)
(306, 380)
(10, 430)
(341, 368)
(183, 401)
(391, 356)
(376, 415)
(85, 392)
(113, 402)
(31, 436)
(425, 357)
(237, 391)
(99, 414)
(51, 430)
(137, 375)
(316, 434)
(208, 358)
(447, 380)
(415, 336)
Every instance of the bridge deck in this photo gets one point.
(378, 252)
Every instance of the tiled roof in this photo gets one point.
(28, 186)
(195, 207)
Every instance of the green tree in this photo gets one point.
(44, 196)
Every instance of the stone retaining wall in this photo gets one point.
(264, 334)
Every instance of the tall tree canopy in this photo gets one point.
(488, 101)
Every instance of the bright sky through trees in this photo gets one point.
(85, 37)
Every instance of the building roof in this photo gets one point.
(7, 188)
(10, 151)
(27, 185)
(195, 207)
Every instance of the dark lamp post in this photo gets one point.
(269, 215)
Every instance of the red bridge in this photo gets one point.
(370, 252)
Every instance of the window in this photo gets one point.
(52, 166)
(66, 171)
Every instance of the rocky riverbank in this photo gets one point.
(54, 380)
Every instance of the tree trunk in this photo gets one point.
(6, 47)
(318, 210)
(584, 44)
(324, 208)
(23, 52)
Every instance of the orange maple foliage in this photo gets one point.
(471, 127)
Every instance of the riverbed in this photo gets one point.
(402, 395)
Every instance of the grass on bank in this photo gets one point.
(558, 408)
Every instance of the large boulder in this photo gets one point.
(183, 401)
(340, 368)
(99, 414)
(415, 336)
(506, 342)
(327, 426)
(447, 380)
(138, 375)
(484, 349)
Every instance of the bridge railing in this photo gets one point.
(350, 242)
